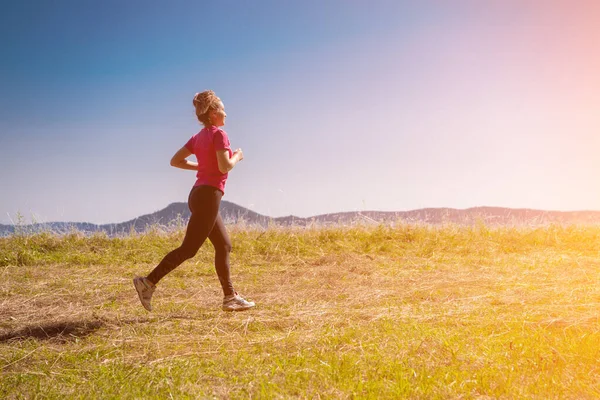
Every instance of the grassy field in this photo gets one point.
(366, 312)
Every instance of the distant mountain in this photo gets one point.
(173, 216)
(177, 214)
(469, 216)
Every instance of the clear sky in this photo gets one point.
(338, 105)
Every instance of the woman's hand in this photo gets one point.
(226, 163)
(239, 154)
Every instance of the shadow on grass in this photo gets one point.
(65, 331)
(69, 331)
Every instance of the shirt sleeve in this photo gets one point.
(190, 143)
(221, 141)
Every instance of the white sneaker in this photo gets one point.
(145, 290)
(235, 302)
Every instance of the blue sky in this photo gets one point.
(338, 105)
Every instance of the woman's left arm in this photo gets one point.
(179, 160)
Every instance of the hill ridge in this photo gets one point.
(176, 215)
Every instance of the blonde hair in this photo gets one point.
(204, 102)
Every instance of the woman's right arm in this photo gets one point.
(179, 160)
(226, 163)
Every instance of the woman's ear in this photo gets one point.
(211, 115)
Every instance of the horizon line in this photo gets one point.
(313, 216)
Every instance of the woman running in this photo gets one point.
(215, 159)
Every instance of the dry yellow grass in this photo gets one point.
(369, 312)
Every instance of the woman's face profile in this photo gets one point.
(218, 115)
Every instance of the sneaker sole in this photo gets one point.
(138, 287)
(238, 308)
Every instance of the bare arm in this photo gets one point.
(226, 164)
(179, 160)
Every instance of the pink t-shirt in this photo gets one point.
(204, 145)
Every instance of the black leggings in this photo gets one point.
(205, 222)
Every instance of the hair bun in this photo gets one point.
(203, 100)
